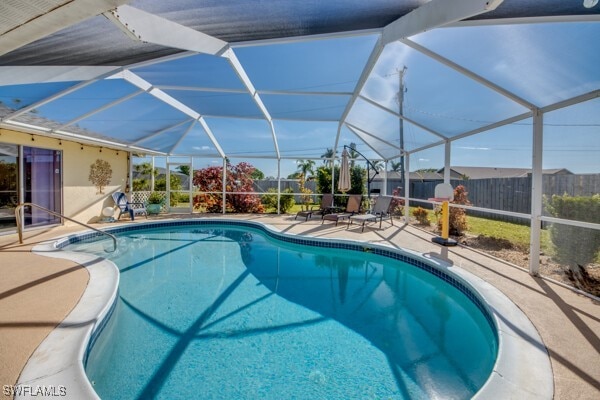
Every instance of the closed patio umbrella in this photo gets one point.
(344, 182)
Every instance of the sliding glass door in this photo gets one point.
(9, 188)
(42, 182)
(29, 175)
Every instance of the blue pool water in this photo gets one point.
(230, 313)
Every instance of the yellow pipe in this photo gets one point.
(445, 221)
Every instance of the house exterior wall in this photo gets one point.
(80, 198)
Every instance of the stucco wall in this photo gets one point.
(81, 200)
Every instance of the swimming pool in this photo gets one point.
(265, 331)
(230, 312)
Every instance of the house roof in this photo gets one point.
(457, 172)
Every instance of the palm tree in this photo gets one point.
(395, 166)
(328, 157)
(306, 167)
(378, 165)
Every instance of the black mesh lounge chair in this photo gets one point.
(321, 209)
(381, 210)
(352, 207)
(125, 206)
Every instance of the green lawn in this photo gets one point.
(515, 233)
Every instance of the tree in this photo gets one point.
(238, 179)
(357, 182)
(257, 174)
(328, 157)
(395, 166)
(184, 169)
(306, 167)
(144, 172)
(286, 199)
(378, 165)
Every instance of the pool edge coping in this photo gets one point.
(522, 368)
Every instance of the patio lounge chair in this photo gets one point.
(125, 206)
(322, 209)
(381, 210)
(352, 207)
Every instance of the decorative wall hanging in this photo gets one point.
(100, 174)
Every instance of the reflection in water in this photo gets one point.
(230, 314)
(404, 312)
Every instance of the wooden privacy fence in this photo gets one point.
(506, 194)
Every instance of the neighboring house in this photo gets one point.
(491, 172)
(464, 173)
(424, 176)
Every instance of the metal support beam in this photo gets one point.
(528, 20)
(434, 14)
(469, 74)
(397, 115)
(407, 189)
(385, 178)
(536, 192)
(224, 183)
(56, 96)
(159, 94)
(178, 142)
(211, 136)
(447, 161)
(356, 131)
(235, 63)
(161, 131)
(142, 26)
(373, 57)
(569, 102)
(25, 74)
(100, 109)
(278, 186)
(495, 125)
(51, 21)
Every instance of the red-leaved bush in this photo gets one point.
(238, 179)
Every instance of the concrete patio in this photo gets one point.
(36, 293)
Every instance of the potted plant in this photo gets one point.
(155, 202)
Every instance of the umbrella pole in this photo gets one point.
(369, 164)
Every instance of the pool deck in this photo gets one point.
(37, 293)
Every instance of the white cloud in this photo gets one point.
(473, 148)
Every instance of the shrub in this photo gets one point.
(238, 180)
(286, 200)
(421, 215)
(458, 216)
(575, 245)
(397, 207)
(156, 198)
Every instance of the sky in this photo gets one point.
(305, 88)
